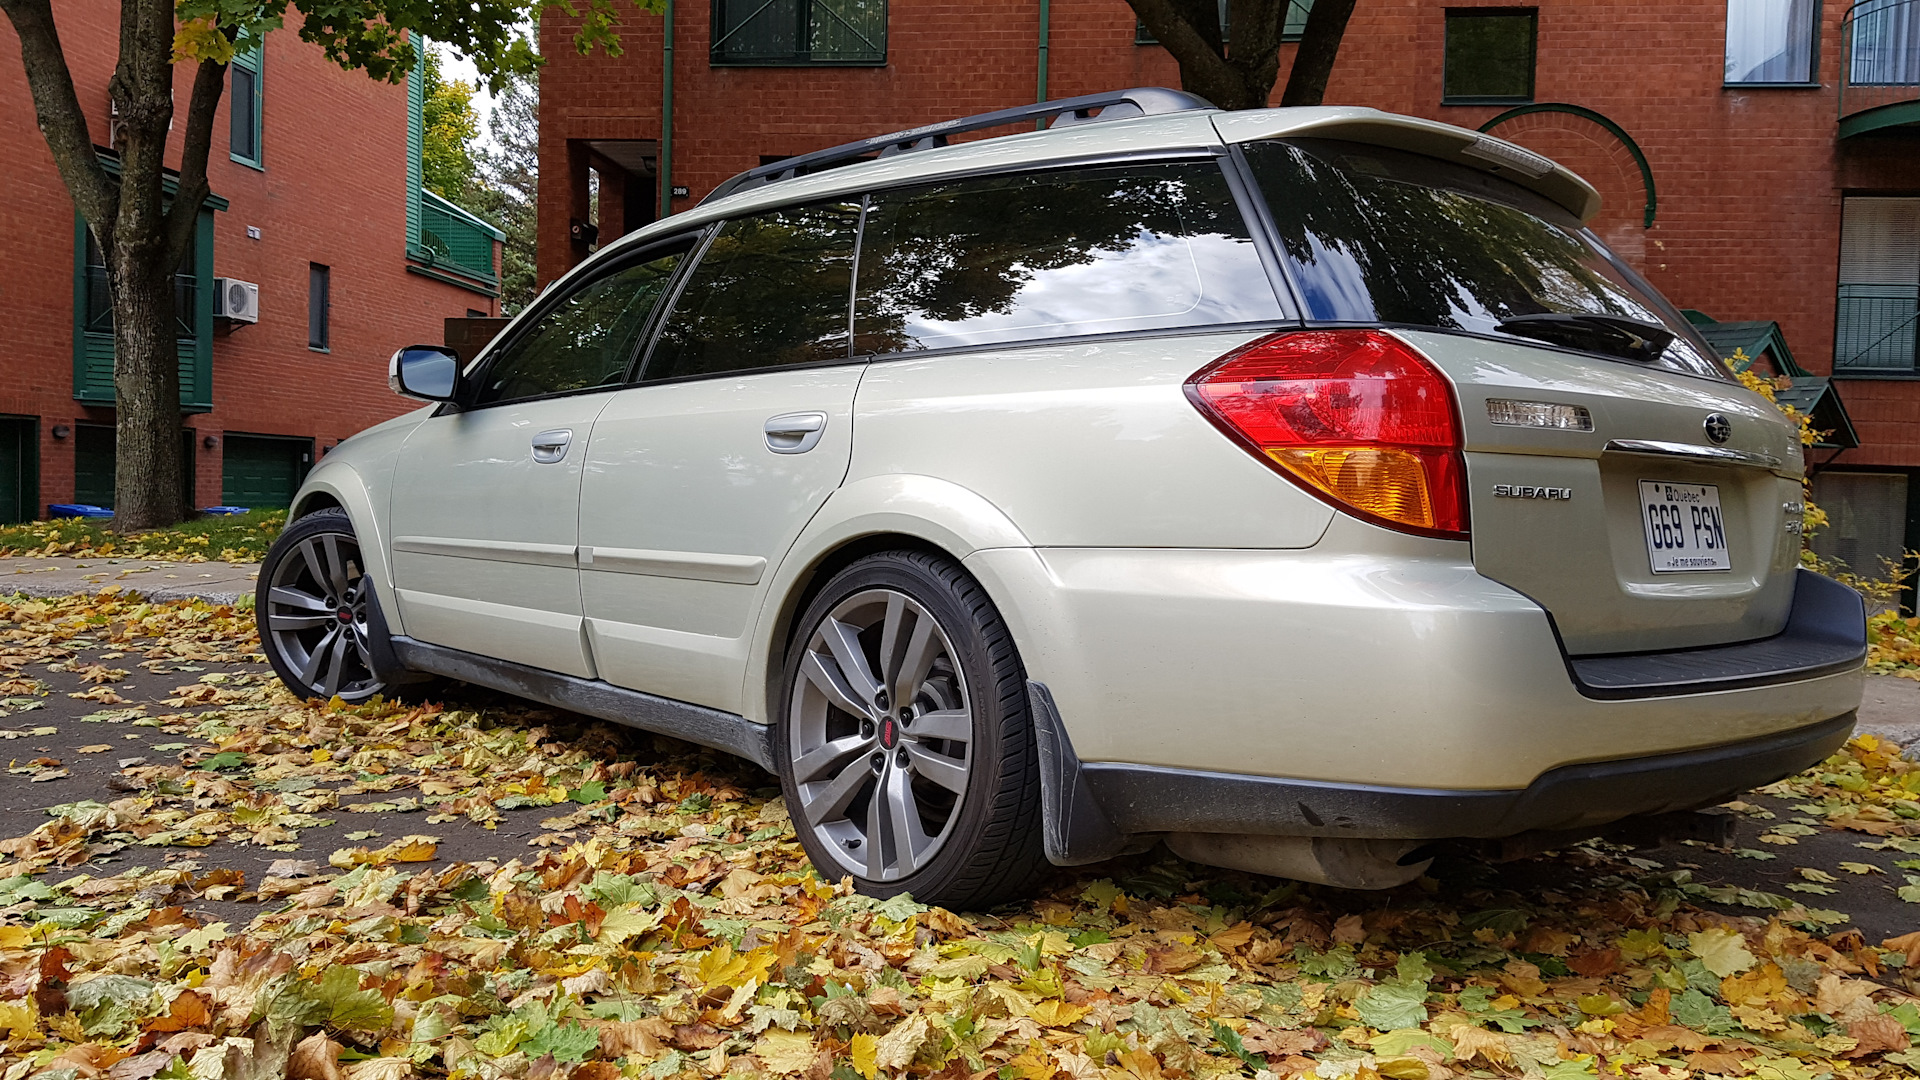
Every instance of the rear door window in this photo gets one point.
(1375, 235)
(770, 291)
(1085, 251)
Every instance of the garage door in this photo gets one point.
(94, 461)
(19, 469)
(263, 470)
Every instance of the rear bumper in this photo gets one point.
(1092, 809)
(1377, 660)
(1826, 634)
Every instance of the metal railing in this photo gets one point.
(456, 243)
(1880, 51)
(1877, 332)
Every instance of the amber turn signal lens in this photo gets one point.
(1386, 482)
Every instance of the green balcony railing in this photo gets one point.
(1877, 329)
(1880, 75)
(455, 241)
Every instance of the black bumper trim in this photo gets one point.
(1092, 809)
(1826, 634)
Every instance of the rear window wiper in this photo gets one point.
(1617, 335)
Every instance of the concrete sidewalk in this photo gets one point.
(157, 579)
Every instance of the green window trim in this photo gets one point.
(1292, 25)
(93, 350)
(246, 68)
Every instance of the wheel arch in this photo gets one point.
(887, 513)
(338, 485)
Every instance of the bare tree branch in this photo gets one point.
(1319, 46)
(209, 82)
(57, 109)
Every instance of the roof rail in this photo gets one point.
(1113, 105)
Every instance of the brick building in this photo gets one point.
(317, 202)
(1760, 159)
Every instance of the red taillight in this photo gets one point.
(1355, 416)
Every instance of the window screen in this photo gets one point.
(1088, 251)
(584, 340)
(1770, 41)
(770, 291)
(1489, 55)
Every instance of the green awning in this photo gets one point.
(1814, 395)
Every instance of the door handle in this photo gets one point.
(551, 446)
(795, 433)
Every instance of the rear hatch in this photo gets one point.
(1617, 475)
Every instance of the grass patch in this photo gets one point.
(234, 538)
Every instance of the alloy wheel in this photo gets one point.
(317, 617)
(879, 733)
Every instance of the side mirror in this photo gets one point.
(428, 372)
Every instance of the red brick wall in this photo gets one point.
(333, 191)
(1749, 181)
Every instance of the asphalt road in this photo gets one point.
(92, 774)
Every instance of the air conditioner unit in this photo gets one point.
(236, 300)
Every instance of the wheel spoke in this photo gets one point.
(336, 566)
(954, 725)
(311, 669)
(287, 596)
(903, 812)
(827, 680)
(942, 770)
(336, 664)
(816, 763)
(825, 801)
(299, 622)
(310, 554)
(844, 641)
(877, 832)
(890, 627)
(360, 649)
(923, 647)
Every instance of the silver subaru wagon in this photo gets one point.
(1297, 487)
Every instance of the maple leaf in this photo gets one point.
(1723, 951)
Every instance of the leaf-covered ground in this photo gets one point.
(508, 892)
(226, 538)
(1893, 644)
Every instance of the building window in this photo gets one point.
(319, 306)
(93, 346)
(1489, 56)
(1770, 42)
(797, 32)
(1877, 314)
(1883, 48)
(244, 98)
(1293, 25)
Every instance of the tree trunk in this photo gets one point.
(149, 470)
(1319, 45)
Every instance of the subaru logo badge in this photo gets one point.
(1719, 428)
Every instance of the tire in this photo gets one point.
(316, 610)
(950, 776)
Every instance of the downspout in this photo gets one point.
(666, 114)
(1046, 7)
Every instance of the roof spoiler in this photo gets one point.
(1430, 137)
(1113, 105)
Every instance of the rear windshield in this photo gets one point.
(1381, 236)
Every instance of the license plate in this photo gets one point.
(1685, 530)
